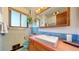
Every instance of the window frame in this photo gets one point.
(11, 9)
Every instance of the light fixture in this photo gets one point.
(55, 13)
(41, 9)
(38, 10)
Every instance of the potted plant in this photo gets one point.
(29, 20)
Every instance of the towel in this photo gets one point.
(4, 28)
(3, 25)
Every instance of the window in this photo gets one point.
(23, 21)
(15, 18)
(18, 19)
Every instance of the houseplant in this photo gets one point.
(29, 20)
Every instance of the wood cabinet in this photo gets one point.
(31, 46)
(63, 19)
(36, 46)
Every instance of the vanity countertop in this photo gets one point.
(61, 46)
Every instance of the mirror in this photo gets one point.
(54, 17)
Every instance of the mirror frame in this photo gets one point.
(68, 20)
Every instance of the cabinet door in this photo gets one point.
(40, 47)
(36, 46)
(61, 19)
(31, 46)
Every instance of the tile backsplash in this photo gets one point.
(75, 37)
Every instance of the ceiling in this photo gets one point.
(47, 12)
(32, 8)
(52, 10)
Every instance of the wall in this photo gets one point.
(14, 35)
(78, 21)
(5, 15)
(22, 9)
(0, 28)
(72, 29)
(0, 42)
(0, 14)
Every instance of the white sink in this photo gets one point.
(51, 40)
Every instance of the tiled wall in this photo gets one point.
(75, 37)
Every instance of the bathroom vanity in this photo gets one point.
(39, 45)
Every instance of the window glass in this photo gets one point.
(23, 20)
(15, 18)
(18, 19)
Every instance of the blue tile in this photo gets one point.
(60, 35)
(34, 29)
(75, 38)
